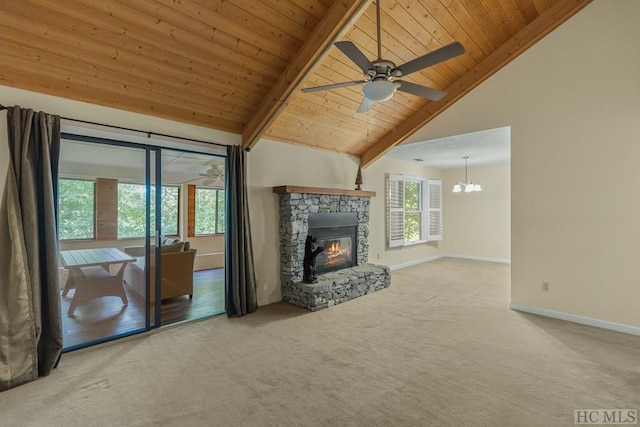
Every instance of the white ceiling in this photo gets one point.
(84, 159)
(484, 148)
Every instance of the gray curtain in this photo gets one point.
(30, 322)
(240, 274)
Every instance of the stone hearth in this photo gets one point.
(337, 286)
(334, 287)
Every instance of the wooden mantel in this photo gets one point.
(318, 190)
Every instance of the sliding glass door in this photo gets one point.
(141, 237)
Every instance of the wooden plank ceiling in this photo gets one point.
(238, 65)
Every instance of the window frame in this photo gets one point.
(421, 209)
(216, 220)
(396, 209)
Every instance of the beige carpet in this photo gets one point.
(439, 347)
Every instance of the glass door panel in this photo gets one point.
(193, 233)
(103, 204)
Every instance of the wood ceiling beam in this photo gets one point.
(338, 19)
(525, 38)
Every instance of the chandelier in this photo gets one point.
(466, 186)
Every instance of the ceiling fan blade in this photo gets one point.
(365, 105)
(355, 54)
(423, 91)
(432, 58)
(332, 86)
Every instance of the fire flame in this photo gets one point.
(336, 254)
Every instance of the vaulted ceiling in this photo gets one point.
(239, 65)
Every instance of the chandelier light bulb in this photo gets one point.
(457, 188)
(469, 187)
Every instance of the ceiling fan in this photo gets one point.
(213, 176)
(380, 76)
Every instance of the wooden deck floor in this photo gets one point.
(107, 317)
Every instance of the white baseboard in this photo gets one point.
(435, 257)
(479, 258)
(618, 327)
(415, 262)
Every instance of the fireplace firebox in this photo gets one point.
(337, 233)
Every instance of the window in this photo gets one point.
(76, 218)
(132, 206)
(414, 210)
(210, 211)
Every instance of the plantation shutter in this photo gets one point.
(395, 210)
(434, 209)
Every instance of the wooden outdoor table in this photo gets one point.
(90, 275)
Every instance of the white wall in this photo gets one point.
(273, 164)
(573, 104)
(478, 225)
(403, 256)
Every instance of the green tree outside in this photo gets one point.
(210, 211)
(77, 216)
(132, 207)
(75, 209)
(413, 213)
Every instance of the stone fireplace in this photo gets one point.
(339, 219)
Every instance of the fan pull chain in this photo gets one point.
(367, 123)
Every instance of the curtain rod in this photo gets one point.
(148, 133)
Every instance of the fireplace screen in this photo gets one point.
(336, 255)
(337, 234)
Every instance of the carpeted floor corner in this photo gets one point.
(440, 347)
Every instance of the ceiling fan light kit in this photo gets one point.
(466, 186)
(380, 76)
(379, 90)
